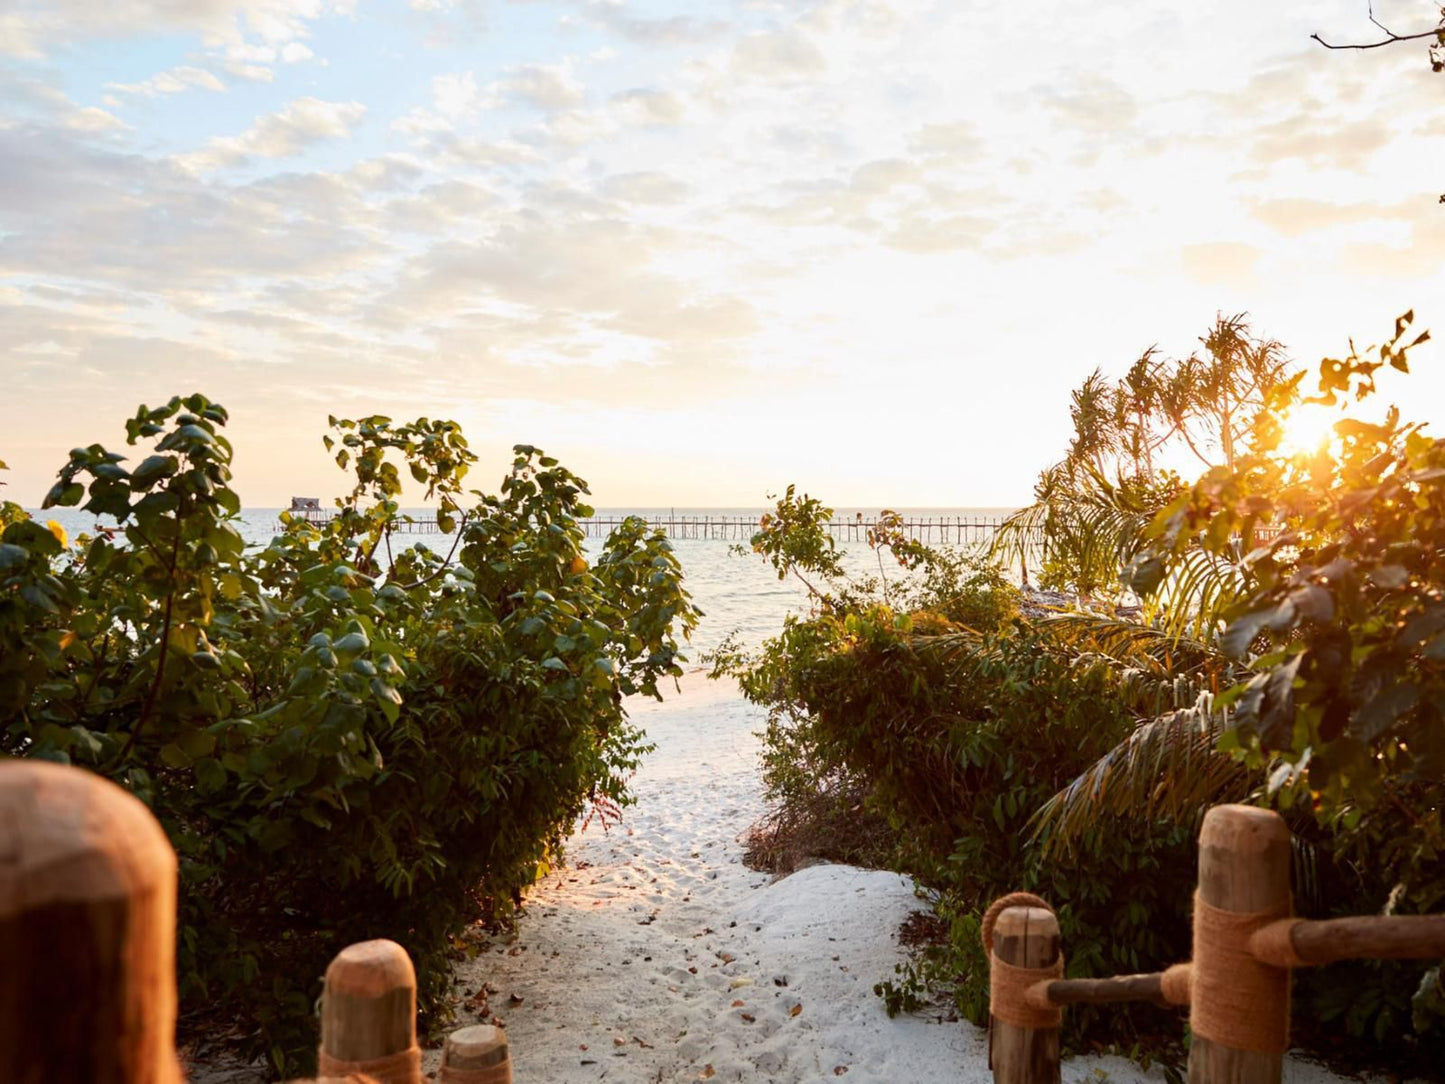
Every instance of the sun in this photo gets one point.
(1307, 428)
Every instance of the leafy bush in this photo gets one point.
(1290, 651)
(956, 736)
(343, 739)
(1339, 628)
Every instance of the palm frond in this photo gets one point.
(1078, 513)
(1195, 594)
(1131, 640)
(1168, 767)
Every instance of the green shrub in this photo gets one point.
(959, 738)
(343, 739)
(1338, 630)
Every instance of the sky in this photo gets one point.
(699, 251)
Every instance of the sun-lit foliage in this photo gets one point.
(1287, 647)
(1133, 439)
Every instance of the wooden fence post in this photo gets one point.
(87, 931)
(476, 1055)
(1025, 937)
(1239, 1007)
(368, 1015)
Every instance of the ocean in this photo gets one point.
(737, 593)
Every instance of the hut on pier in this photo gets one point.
(308, 508)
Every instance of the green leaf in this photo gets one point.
(1381, 711)
(12, 556)
(351, 642)
(384, 691)
(1390, 577)
(1313, 603)
(65, 495)
(198, 743)
(153, 469)
(173, 756)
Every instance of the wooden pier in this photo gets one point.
(947, 530)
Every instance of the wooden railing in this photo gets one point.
(87, 954)
(1246, 944)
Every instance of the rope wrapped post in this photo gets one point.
(87, 931)
(476, 1055)
(1239, 1007)
(1021, 937)
(368, 1015)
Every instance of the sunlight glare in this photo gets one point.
(1307, 428)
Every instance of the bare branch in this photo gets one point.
(1391, 40)
(1371, 8)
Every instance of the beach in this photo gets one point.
(655, 954)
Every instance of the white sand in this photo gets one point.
(645, 961)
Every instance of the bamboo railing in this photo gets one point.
(1246, 944)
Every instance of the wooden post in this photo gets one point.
(1025, 937)
(1244, 864)
(368, 1014)
(476, 1055)
(87, 931)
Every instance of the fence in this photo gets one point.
(947, 530)
(1236, 986)
(88, 934)
(88, 914)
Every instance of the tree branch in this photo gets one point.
(446, 563)
(1391, 40)
(150, 701)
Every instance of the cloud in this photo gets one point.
(252, 73)
(34, 26)
(955, 137)
(92, 119)
(173, 81)
(778, 56)
(1090, 104)
(454, 94)
(884, 175)
(580, 279)
(301, 124)
(70, 210)
(648, 107)
(643, 30)
(549, 87)
(948, 233)
(1319, 140)
(1220, 263)
(900, 202)
(439, 208)
(18, 37)
(1296, 216)
(644, 188)
(1421, 252)
(387, 173)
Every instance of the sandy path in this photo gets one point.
(658, 956)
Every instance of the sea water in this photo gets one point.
(739, 594)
